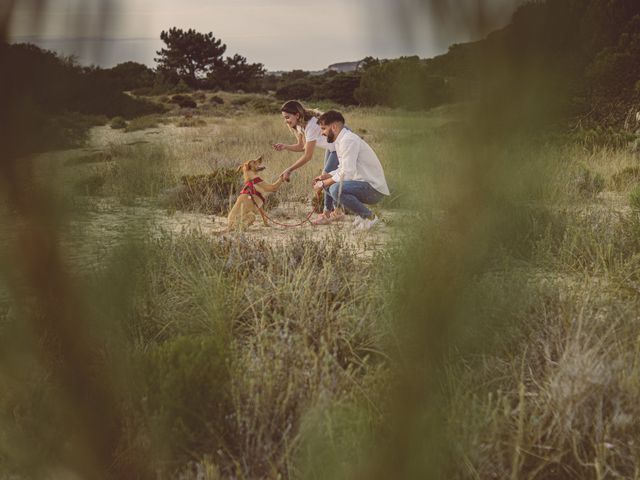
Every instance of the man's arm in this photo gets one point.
(348, 158)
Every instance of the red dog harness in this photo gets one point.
(250, 189)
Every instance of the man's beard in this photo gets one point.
(330, 137)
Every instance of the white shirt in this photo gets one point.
(312, 133)
(358, 161)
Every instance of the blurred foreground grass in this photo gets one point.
(494, 338)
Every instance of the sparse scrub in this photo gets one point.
(293, 345)
(625, 177)
(191, 122)
(142, 123)
(126, 172)
(118, 123)
(295, 333)
(184, 101)
(588, 184)
(634, 198)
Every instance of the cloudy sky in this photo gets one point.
(281, 34)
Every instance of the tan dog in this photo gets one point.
(253, 194)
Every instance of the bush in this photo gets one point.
(184, 101)
(62, 131)
(91, 185)
(625, 177)
(587, 184)
(183, 395)
(405, 82)
(142, 123)
(634, 198)
(118, 123)
(181, 87)
(215, 99)
(211, 193)
(241, 100)
(301, 90)
(264, 105)
(191, 122)
(340, 89)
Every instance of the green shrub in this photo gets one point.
(191, 122)
(264, 105)
(602, 137)
(587, 184)
(118, 123)
(300, 90)
(211, 193)
(184, 101)
(625, 177)
(241, 100)
(96, 157)
(634, 198)
(142, 123)
(183, 396)
(181, 87)
(90, 185)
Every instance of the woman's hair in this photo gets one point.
(306, 114)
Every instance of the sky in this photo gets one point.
(281, 34)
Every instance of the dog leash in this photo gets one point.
(262, 212)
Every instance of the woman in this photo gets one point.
(303, 123)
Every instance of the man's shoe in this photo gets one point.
(358, 220)
(321, 220)
(368, 223)
(337, 216)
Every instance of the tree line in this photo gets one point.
(581, 56)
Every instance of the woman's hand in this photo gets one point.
(318, 186)
(285, 175)
(278, 147)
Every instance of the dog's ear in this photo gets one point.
(259, 159)
(239, 169)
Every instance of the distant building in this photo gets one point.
(344, 67)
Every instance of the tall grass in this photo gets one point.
(493, 339)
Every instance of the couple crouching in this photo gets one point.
(352, 176)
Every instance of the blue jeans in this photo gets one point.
(354, 195)
(330, 164)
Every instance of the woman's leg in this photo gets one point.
(330, 164)
(353, 195)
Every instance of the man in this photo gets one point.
(359, 178)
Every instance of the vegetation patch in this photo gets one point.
(142, 123)
(588, 184)
(118, 123)
(626, 177)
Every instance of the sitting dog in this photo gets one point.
(252, 196)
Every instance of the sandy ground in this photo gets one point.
(104, 223)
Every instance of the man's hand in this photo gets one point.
(318, 186)
(278, 147)
(324, 176)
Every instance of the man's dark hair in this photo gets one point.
(330, 116)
